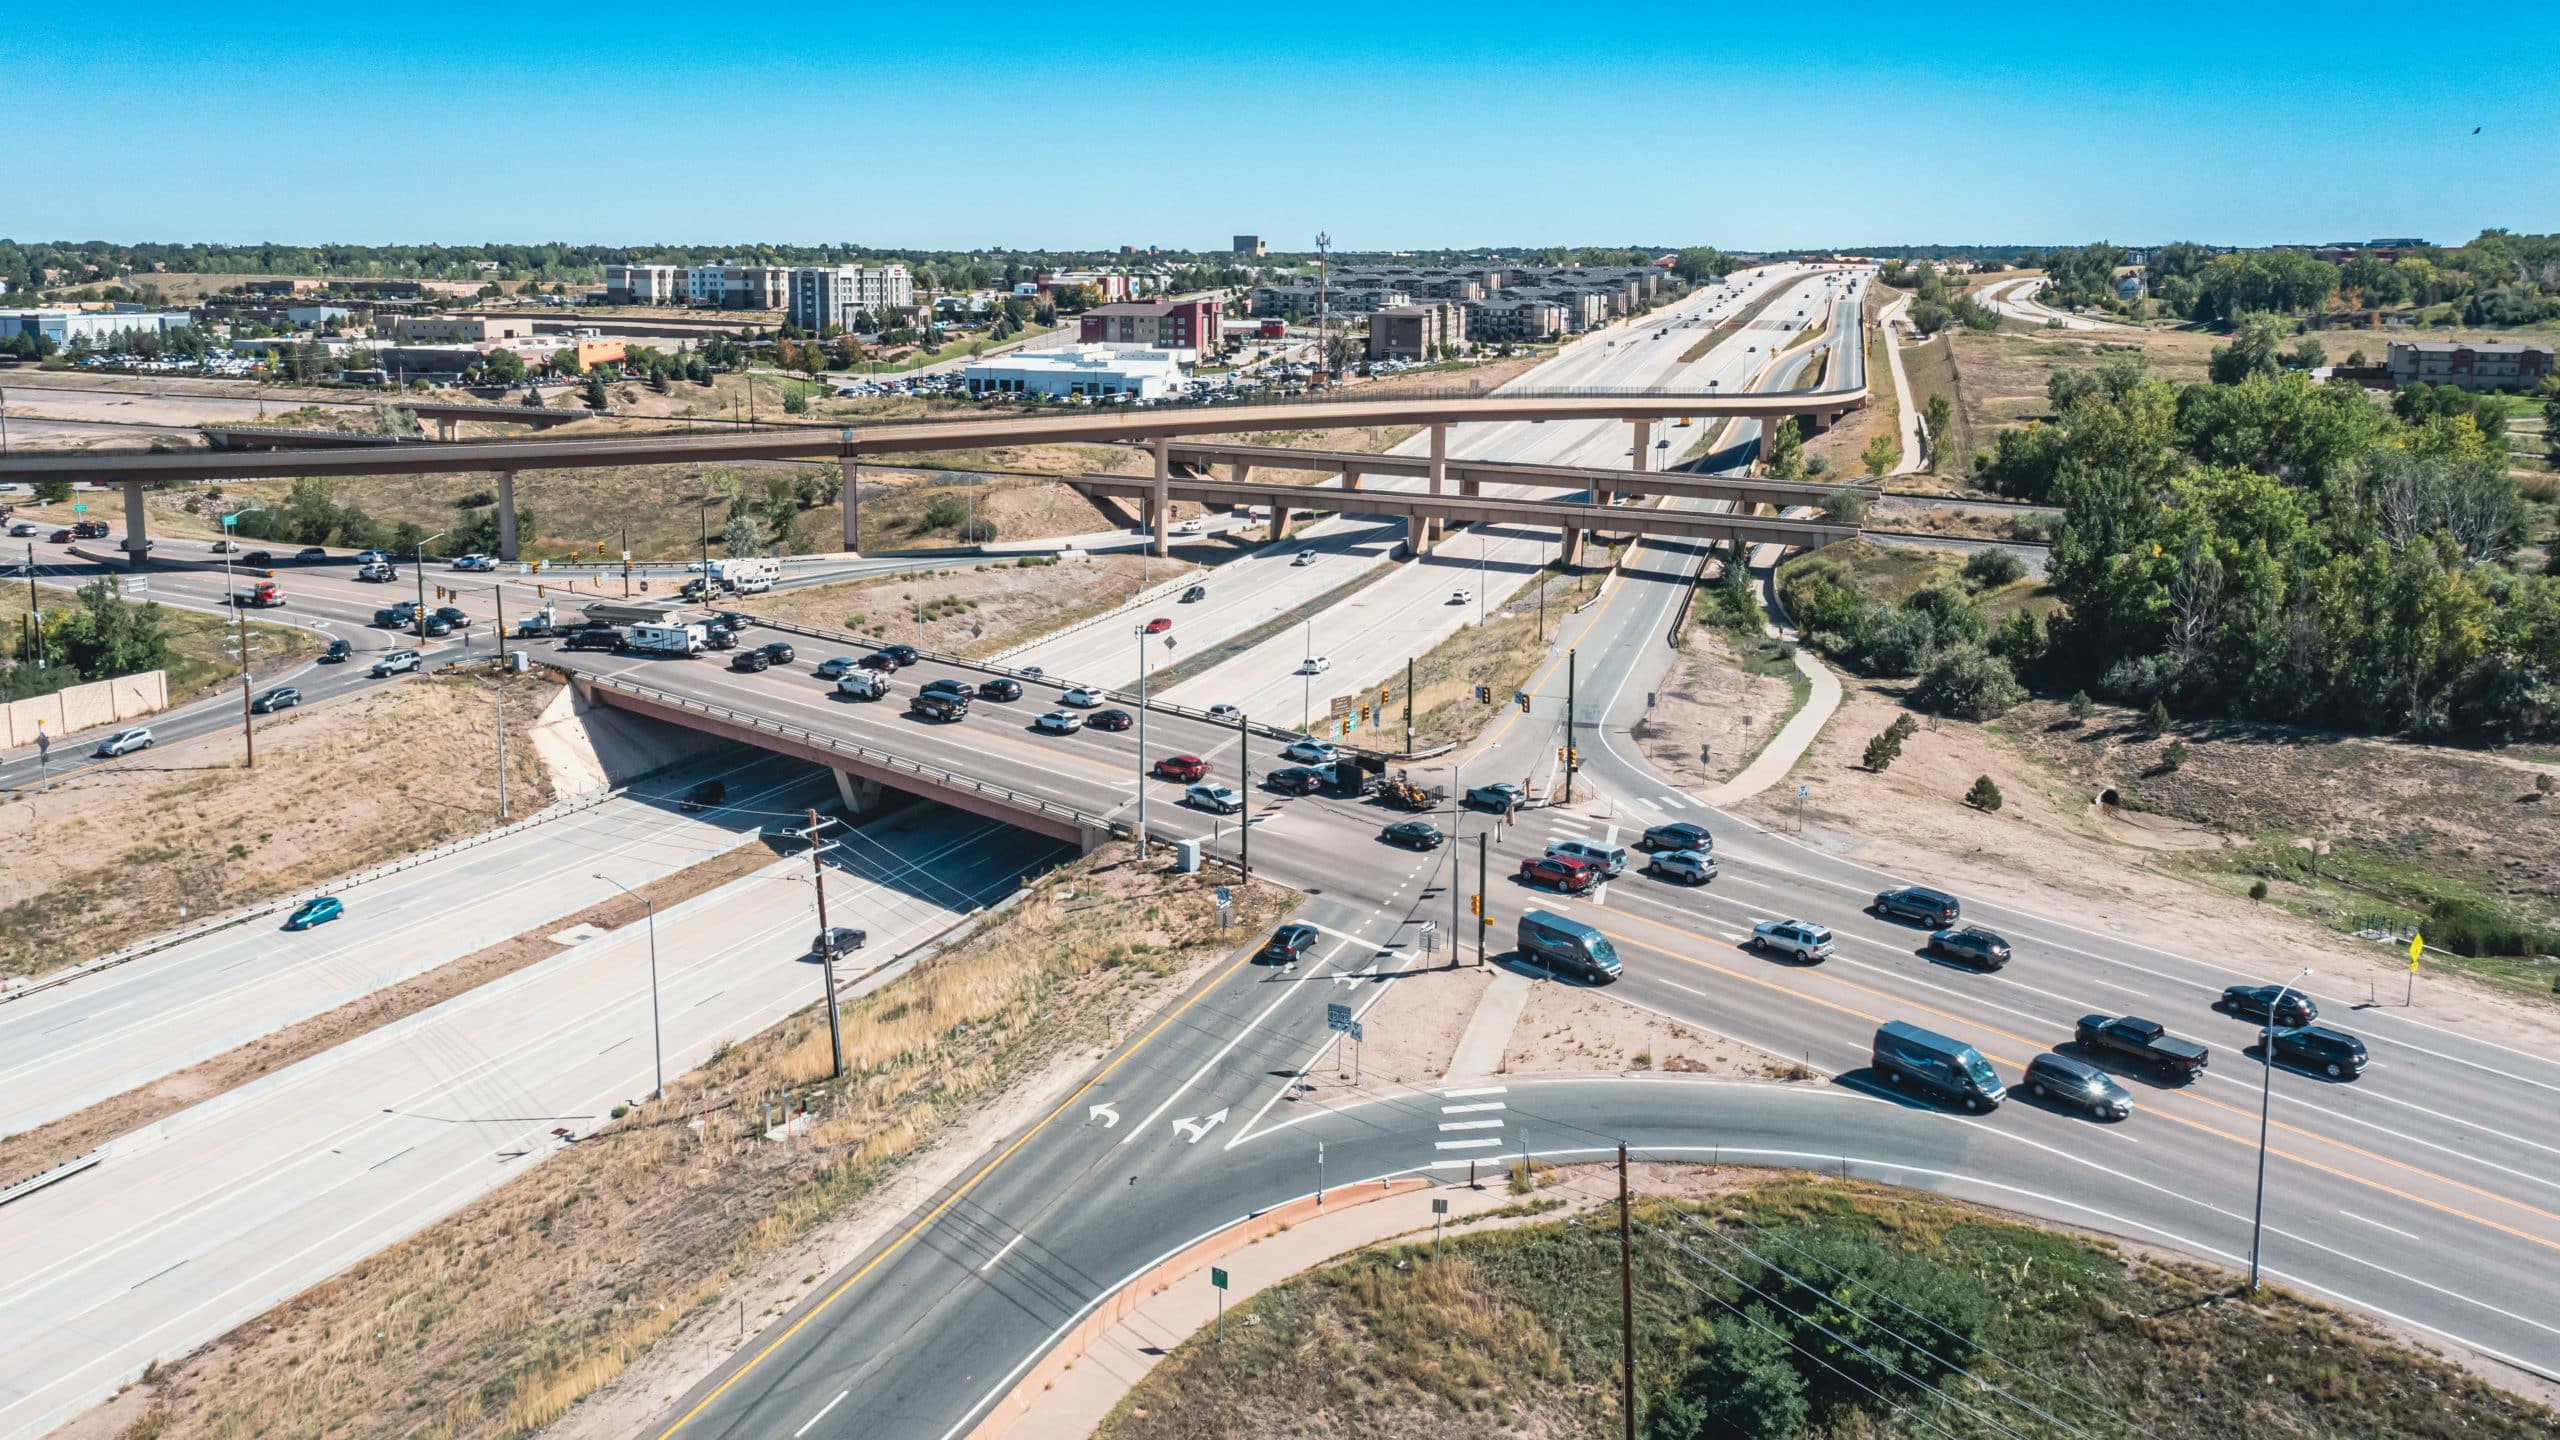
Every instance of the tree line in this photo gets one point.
(2499, 278)
(2257, 546)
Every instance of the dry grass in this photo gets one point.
(183, 832)
(499, 1318)
(1500, 654)
(974, 610)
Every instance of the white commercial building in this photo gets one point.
(829, 295)
(99, 327)
(1094, 370)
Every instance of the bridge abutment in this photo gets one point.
(860, 793)
(137, 536)
(1160, 500)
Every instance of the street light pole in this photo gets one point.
(657, 1039)
(240, 615)
(2266, 1095)
(418, 565)
(1141, 632)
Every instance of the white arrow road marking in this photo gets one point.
(1103, 1112)
(1194, 1129)
(1354, 977)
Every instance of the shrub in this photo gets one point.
(2257, 890)
(1900, 641)
(1881, 750)
(1984, 796)
(1845, 507)
(2080, 705)
(2470, 927)
(1969, 683)
(944, 511)
(2174, 755)
(2156, 719)
(1991, 569)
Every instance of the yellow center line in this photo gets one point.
(936, 1213)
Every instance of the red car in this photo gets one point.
(1568, 876)
(59, 537)
(1186, 768)
(1159, 625)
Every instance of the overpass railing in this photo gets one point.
(933, 775)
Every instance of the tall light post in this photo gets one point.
(2266, 1095)
(657, 1041)
(1307, 681)
(1141, 632)
(240, 617)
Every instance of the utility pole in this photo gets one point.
(498, 700)
(1142, 743)
(1626, 1305)
(1244, 787)
(626, 559)
(1569, 661)
(826, 946)
(240, 615)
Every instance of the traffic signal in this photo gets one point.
(1560, 755)
(1346, 727)
(1386, 695)
(1475, 906)
(1364, 712)
(1573, 758)
(1484, 694)
(1523, 697)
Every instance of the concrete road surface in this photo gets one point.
(205, 1219)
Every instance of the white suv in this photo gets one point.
(1800, 939)
(1609, 860)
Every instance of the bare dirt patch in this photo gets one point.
(178, 832)
(94, 1125)
(975, 609)
(1712, 714)
(501, 1318)
(1570, 1030)
(2004, 372)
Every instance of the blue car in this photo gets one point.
(319, 910)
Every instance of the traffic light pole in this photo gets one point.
(1244, 788)
(1484, 922)
(1408, 720)
(1569, 661)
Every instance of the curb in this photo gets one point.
(1109, 1310)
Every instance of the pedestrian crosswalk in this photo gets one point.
(1470, 1111)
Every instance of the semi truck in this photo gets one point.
(664, 639)
(264, 595)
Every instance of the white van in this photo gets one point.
(1611, 860)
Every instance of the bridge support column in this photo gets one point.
(1643, 446)
(506, 515)
(1160, 502)
(1432, 529)
(1281, 518)
(860, 793)
(137, 539)
(1569, 554)
(852, 506)
(1350, 479)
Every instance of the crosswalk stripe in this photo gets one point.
(1472, 1109)
(1448, 1125)
(1471, 1093)
(1465, 1144)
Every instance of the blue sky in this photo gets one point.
(1420, 125)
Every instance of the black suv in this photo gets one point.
(751, 660)
(597, 639)
(1919, 903)
(776, 653)
(337, 652)
(890, 657)
(1680, 835)
(2333, 1053)
(1000, 688)
(1288, 943)
(1971, 945)
(1295, 780)
(1108, 720)
(2252, 1002)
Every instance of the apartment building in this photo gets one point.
(2469, 366)
(1180, 327)
(1515, 317)
(1418, 332)
(1296, 298)
(824, 296)
(644, 285)
(1250, 245)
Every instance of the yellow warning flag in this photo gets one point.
(2417, 947)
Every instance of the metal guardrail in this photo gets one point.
(63, 1171)
(557, 810)
(935, 774)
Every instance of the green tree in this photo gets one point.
(1881, 454)
(1990, 569)
(2252, 351)
(106, 637)
(1937, 413)
(1743, 1384)
(1984, 796)
(1785, 458)
(566, 361)
(502, 365)
(1880, 753)
(744, 535)
(52, 492)
(2156, 719)
(1969, 683)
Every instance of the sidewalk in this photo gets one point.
(1785, 748)
(1906, 405)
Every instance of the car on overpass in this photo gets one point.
(1315, 665)
(1058, 722)
(1111, 720)
(474, 562)
(1159, 625)
(318, 910)
(1217, 799)
(310, 553)
(1184, 768)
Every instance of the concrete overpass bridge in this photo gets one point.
(503, 459)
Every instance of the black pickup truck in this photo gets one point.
(2144, 1042)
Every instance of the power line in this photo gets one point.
(1833, 1335)
(1968, 1341)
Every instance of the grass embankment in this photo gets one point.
(182, 832)
(203, 649)
(1516, 1332)
(1499, 654)
(497, 1319)
(973, 610)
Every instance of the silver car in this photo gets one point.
(1686, 866)
(125, 742)
(1800, 939)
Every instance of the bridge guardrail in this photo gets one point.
(934, 773)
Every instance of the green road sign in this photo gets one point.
(1217, 1277)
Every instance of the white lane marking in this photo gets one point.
(983, 1269)
(830, 1405)
(1472, 1109)
(1674, 801)
(1471, 1125)
(1464, 1144)
(1472, 1092)
(1286, 991)
(2378, 1225)
(1599, 894)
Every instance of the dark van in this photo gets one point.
(1949, 1069)
(1562, 944)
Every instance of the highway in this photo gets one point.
(211, 1216)
(70, 1045)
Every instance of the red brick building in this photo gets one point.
(1184, 326)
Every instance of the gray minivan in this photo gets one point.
(1559, 943)
(1950, 1069)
